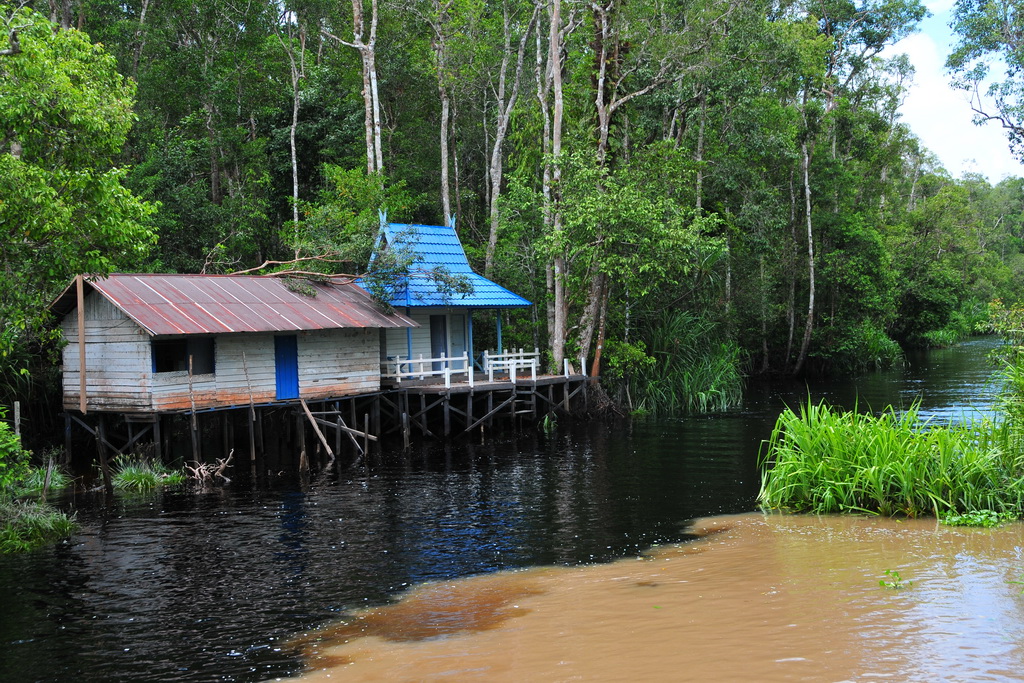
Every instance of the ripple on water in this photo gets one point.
(760, 598)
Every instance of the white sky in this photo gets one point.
(940, 115)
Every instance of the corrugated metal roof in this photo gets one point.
(220, 304)
(436, 245)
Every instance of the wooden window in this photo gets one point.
(171, 355)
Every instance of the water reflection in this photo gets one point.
(200, 587)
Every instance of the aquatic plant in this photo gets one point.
(895, 581)
(824, 460)
(143, 475)
(26, 525)
(978, 518)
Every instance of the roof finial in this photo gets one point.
(451, 221)
(382, 214)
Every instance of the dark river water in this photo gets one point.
(183, 586)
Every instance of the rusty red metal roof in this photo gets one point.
(222, 304)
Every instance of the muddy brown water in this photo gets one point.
(520, 555)
(758, 598)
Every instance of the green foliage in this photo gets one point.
(27, 525)
(35, 480)
(13, 458)
(988, 32)
(64, 116)
(822, 460)
(979, 518)
(687, 371)
(144, 475)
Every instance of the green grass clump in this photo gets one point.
(823, 460)
(979, 518)
(144, 475)
(26, 525)
(36, 480)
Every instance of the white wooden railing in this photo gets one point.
(399, 368)
(511, 363)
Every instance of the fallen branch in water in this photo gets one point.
(205, 474)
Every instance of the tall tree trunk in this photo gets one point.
(504, 117)
(558, 265)
(297, 65)
(809, 325)
(446, 194)
(367, 48)
(699, 152)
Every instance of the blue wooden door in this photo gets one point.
(286, 365)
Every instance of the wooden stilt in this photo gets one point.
(423, 419)
(101, 447)
(405, 430)
(300, 434)
(447, 415)
(158, 437)
(67, 439)
(252, 443)
(376, 415)
(366, 433)
(193, 425)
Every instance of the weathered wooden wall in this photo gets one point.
(396, 339)
(120, 377)
(118, 362)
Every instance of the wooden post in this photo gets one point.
(158, 451)
(193, 424)
(251, 414)
(67, 439)
(300, 433)
(423, 414)
(405, 430)
(376, 415)
(337, 434)
(101, 447)
(447, 416)
(366, 433)
(17, 419)
(80, 291)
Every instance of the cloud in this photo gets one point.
(941, 116)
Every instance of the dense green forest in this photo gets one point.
(690, 190)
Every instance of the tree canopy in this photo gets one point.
(736, 167)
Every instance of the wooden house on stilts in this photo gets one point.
(200, 366)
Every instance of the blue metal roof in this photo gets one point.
(434, 246)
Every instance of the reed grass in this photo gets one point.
(27, 525)
(823, 460)
(691, 372)
(144, 475)
(35, 480)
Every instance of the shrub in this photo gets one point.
(26, 525)
(13, 458)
